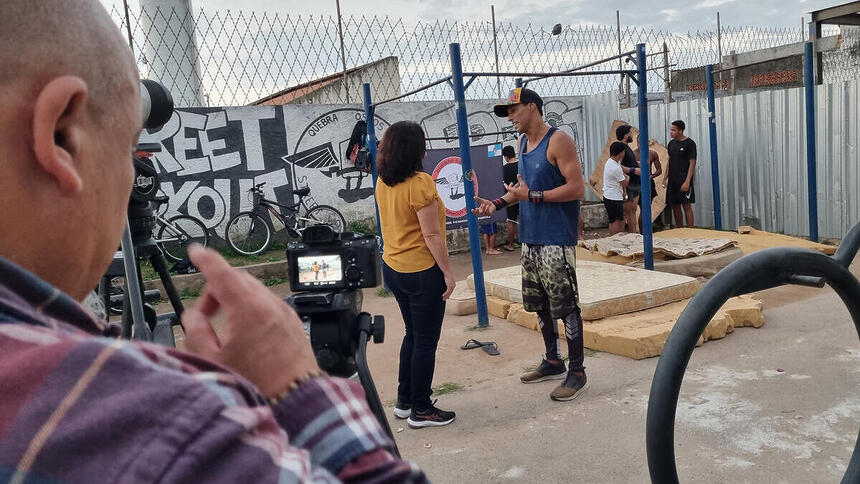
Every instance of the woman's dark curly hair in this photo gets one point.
(400, 152)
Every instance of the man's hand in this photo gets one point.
(262, 338)
(685, 187)
(519, 190)
(485, 207)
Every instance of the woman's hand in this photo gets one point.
(450, 284)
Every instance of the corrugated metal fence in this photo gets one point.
(762, 155)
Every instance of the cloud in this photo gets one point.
(671, 14)
(713, 3)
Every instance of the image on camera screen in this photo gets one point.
(320, 270)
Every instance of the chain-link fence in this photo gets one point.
(211, 58)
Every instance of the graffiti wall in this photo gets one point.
(211, 157)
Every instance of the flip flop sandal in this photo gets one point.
(472, 344)
(509, 249)
(491, 348)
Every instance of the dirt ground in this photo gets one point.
(740, 419)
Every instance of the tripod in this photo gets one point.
(139, 319)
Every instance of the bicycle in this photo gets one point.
(176, 233)
(249, 233)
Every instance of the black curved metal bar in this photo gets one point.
(764, 269)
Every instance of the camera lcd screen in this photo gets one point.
(320, 270)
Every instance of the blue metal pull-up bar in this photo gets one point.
(715, 161)
(468, 184)
(645, 159)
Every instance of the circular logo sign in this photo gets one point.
(450, 184)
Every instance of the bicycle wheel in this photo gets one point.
(324, 215)
(248, 233)
(180, 231)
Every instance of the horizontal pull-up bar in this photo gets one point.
(479, 135)
(415, 91)
(586, 66)
(546, 74)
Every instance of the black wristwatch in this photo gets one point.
(535, 196)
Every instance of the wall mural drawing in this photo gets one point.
(212, 157)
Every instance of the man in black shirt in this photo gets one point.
(630, 167)
(510, 171)
(678, 180)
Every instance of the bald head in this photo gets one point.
(42, 39)
(69, 119)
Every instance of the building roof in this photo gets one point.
(292, 93)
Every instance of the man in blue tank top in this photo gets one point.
(550, 186)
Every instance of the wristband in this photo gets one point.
(500, 203)
(275, 400)
(535, 196)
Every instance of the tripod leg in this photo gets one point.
(126, 312)
(159, 263)
(367, 380)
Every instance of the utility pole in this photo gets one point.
(342, 52)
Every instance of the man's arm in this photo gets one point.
(562, 152)
(686, 186)
(263, 340)
(655, 158)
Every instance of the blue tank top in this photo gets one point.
(545, 223)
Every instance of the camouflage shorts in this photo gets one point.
(549, 279)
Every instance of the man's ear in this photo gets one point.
(58, 129)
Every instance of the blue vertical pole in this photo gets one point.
(644, 157)
(371, 148)
(812, 185)
(715, 162)
(466, 159)
(518, 82)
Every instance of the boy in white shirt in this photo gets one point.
(614, 184)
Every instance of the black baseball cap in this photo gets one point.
(519, 95)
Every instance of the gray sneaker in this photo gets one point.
(545, 371)
(572, 387)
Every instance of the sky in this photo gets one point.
(671, 15)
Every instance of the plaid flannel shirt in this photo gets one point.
(79, 405)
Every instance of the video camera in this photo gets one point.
(327, 272)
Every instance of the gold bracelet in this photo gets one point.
(273, 401)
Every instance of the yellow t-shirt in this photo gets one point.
(405, 249)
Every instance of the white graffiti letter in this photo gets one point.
(208, 145)
(250, 119)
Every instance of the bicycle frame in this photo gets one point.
(294, 209)
(176, 234)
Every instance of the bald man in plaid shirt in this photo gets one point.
(79, 405)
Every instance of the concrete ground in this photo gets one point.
(740, 419)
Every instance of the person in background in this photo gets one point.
(510, 171)
(653, 161)
(489, 230)
(416, 266)
(678, 181)
(631, 168)
(614, 183)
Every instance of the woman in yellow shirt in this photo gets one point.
(416, 266)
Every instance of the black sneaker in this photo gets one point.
(572, 387)
(544, 371)
(402, 410)
(432, 417)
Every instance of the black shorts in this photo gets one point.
(615, 209)
(633, 192)
(674, 195)
(653, 193)
(513, 212)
